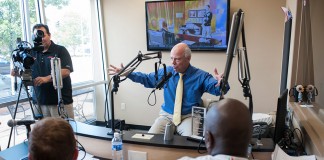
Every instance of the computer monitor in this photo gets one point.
(280, 125)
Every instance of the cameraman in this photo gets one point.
(44, 92)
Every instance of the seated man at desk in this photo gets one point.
(182, 91)
(52, 139)
(228, 131)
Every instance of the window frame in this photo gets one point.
(100, 59)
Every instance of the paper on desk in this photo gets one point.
(279, 154)
(142, 136)
(87, 156)
(261, 117)
(306, 105)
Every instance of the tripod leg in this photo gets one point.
(40, 114)
(14, 116)
(29, 100)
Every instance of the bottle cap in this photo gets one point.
(116, 134)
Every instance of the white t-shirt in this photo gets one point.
(216, 157)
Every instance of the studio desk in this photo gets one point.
(310, 119)
(96, 142)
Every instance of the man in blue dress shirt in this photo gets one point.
(195, 83)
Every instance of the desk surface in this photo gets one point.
(16, 152)
(310, 120)
(157, 140)
(100, 133)
(97, 142)
(97, 132)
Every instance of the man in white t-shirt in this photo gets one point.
(228, 131)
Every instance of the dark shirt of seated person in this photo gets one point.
(228, 131)
(195, 83)
(52, 139)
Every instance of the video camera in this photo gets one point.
(23, 53)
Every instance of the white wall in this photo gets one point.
(125, 34)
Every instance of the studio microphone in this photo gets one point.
(12, 122)
(163, 80)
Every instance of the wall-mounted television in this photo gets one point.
(202, 24)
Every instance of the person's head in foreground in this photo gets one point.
(228, 128)
(52, 139)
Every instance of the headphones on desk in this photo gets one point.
(303, 93)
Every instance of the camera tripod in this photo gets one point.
(25, 84)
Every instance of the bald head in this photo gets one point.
(180, 56)
(182, 49)
(228, 128)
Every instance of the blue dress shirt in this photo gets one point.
(195, 83)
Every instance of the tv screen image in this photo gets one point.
(201, 24)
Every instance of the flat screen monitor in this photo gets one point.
(280, 125)
(201, 24)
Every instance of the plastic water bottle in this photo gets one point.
(249, 152)
(117, 147)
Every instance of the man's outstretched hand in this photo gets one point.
(218, 77)
(112, 70)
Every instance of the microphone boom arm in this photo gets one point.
(246, 79)
(132, 65)
(116, 79)
(237, 21)
(237, 28)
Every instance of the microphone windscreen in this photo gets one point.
(11, 123)
(163, 80)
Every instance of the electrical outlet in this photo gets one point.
(123, 106)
